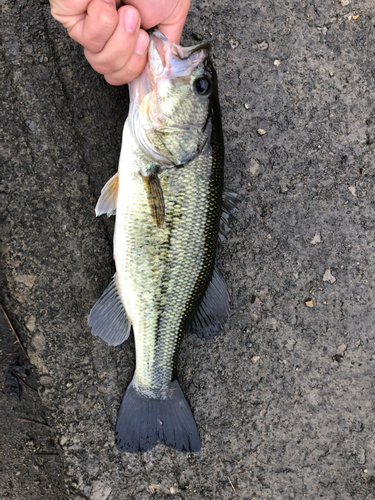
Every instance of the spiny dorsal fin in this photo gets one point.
(108, 199)
(108, 319)
(214, 309)
(155, 197)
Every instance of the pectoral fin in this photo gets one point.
(155, 197)
(108, 199)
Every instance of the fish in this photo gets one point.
(171, 211)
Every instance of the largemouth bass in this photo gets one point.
(168, 199)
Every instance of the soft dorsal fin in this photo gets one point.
(230, 201)
(229, 207)
(214, 309)
(155, 197)
(108, 199)
(108, 319)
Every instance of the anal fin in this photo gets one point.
(214, 309)
(108, 319)
(108, 198)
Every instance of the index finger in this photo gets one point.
(64, 10)
(98, 25)
(90, 23)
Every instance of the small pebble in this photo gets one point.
(254, 444)
(31, 322)
(254, 166)
(63, 440)
(353, 190)
(277, 62)
(260, 45)
(261, 131)
(361, 459)
(317, 239)
(309, 303)
(255, 359)
(341, 349)
(31, 125)
(284, 184)
(328, 276)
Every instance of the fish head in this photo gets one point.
(174, 108)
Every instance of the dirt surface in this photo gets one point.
(30, 461)
(284, 396)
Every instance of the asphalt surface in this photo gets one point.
(284, 396)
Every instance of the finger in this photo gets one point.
(120, 47)
(173, 26)
(97, 26)
(168, 15)
(65, 10)
(134, 66)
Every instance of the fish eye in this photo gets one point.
(202, 86)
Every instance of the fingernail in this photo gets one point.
(131, 19)
(142, 44)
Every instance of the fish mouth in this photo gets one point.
(171, 60)
(163, 46)
(166, 60)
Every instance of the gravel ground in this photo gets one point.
(284, 396)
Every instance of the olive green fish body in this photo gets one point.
(161, 271)
(167, 196)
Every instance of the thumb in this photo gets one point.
(173, 26)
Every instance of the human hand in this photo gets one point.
(114, 41)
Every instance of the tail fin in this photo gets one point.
(143, 421)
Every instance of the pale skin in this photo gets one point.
(114, 35)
